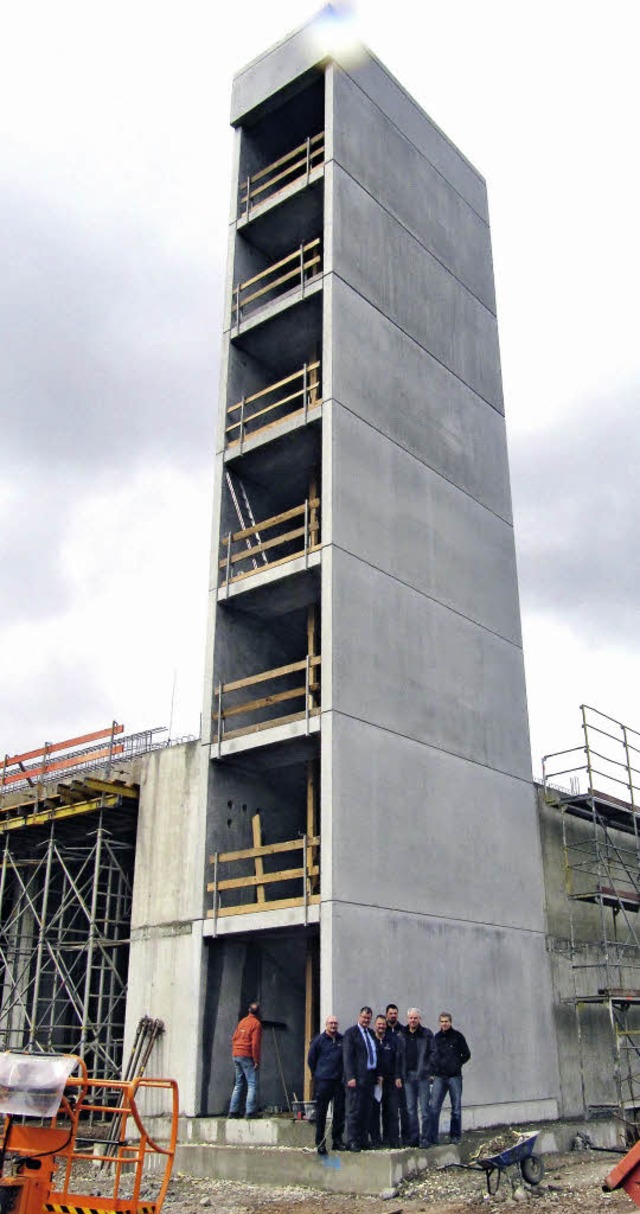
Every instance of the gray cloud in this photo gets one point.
(108, 365)
(576, 494)
(108, 360)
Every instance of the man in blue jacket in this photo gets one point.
(325, 1063)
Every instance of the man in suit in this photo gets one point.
(360, 1073)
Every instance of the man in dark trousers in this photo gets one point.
(360, 1063)
(451, 1053)
(245, 1051)
(417, 1070)
(389, 1066)
(396, 1030)
(325, 1063)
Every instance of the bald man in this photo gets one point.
(325, 1063)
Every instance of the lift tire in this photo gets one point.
(532, 1169)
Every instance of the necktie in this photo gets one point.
(369, 1044)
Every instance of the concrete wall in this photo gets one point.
(432, 877)
(166, 955)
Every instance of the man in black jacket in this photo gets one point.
(389, 1071)
(396, 1030)
(417, 1063)
(451, 1053)
(360, 1070)
(325, 1063)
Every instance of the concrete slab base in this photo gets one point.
(366, 1173)
(278, 1151)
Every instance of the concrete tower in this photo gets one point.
(371, 829)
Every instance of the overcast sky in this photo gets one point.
(114, 163)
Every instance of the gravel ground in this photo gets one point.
(572, 1185)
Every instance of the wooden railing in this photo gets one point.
(268, 182)
(240, 547)
(295, 396)
(291, 272)
(306, 689)
(306, 875)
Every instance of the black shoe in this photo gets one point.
(455, 1141)
(252, 1116)
(322, 1150)
(338, 1145)
(353, 1146)
(233, 1116)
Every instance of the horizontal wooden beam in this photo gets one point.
(267, 849)
(272, 387)
(273, 564)
(287, 874)
(253, 907)
(267, 674)
(271, 724)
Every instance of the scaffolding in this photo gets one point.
(66, 878)
(601, 843)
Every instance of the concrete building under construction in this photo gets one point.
(358, 821)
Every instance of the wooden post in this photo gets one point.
(314, 523)
(312, 826)
(259, 862)
(314, 686)
(314, 379)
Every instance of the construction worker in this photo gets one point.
(245, 1051)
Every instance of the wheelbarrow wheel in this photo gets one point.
(532, 1169)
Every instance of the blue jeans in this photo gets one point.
(417, 1096)
(442, 1085)
(246, 1075)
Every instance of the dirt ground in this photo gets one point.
(572, 1184)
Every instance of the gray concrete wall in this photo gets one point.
(166, 954)
(432, 875)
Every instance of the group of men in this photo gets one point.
(387, 1085)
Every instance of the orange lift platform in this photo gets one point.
(626, 1175)
(66, 1133)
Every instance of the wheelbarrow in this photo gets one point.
(519, 1157)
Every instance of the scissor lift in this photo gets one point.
(44, 1158)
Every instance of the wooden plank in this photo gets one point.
(272, 564)
(268, 522)
(271, 425)
(278, 697)
(266, 674)
(277, 404)
(267, 849)
(262, 725)
(283, 159)
(287, 874)
(277, 265)
(117, 787)
(299, 168)
(251, 908)
(267, 546)
(256, 831)
(272, 387)
(271, 286)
